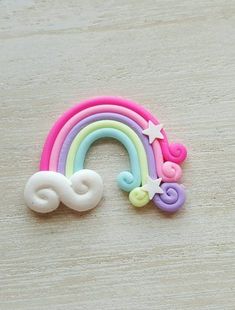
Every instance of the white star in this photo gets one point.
(153, 187)
(153, 131)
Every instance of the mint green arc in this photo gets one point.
(126, 180)
(73, 162)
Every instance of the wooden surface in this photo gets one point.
(177, 58)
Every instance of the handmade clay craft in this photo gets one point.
(154, 163)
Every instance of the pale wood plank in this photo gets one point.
(177, 59)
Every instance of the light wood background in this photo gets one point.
(175, 57)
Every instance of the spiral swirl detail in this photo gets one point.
(46, 189)
(138, 197)
(170, 172)
(172, 199)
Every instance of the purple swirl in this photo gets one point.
(172, 199)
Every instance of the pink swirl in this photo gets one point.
(169, 171)
(175, 152)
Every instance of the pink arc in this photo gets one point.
(162, 149)
(168, 171)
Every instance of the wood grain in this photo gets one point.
(177, 59)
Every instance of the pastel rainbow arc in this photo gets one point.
(62, 146)
(127, 180)
(168, 171)
(73, 159)
(110, 120)
(174, 152)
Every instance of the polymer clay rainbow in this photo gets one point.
(155, 169)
